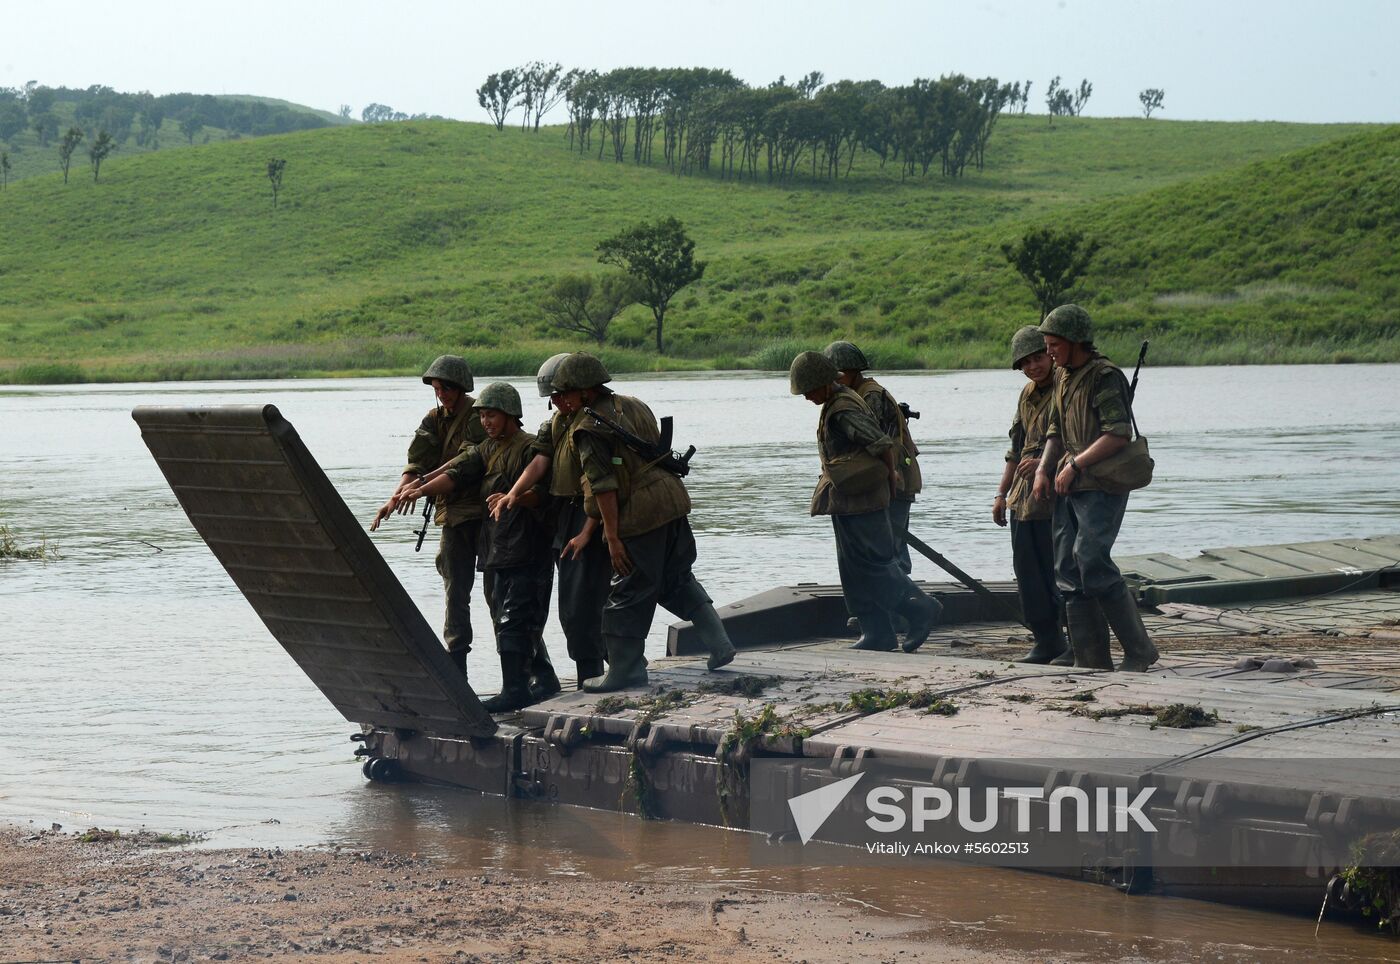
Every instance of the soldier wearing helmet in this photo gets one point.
(1090, 421)
(578, 549)
(851, 365)
(514, 547)
(859, 477)
(1032, 539)
(444, 431)
(643, 510)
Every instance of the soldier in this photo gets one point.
(851, 364)
(859, 477)
(1032, 541)
(444, 431)
(514, 545)
(1090, 420)
(578, 549)
(644, 513)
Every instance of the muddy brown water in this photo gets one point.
(140, 690)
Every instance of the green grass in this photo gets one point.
(1224, 242)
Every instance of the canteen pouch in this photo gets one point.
(856, 473)
(1125, 470)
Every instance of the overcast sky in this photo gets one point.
(1296, 60)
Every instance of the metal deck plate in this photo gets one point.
(305, 564)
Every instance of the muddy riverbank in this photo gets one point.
(129, 899)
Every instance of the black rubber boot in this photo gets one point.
(515, 685)
(1049, 644)
(544, 682)
(459, 659)
(627, 666)
(587, 669)
(1120, 608)
(1088, 634)
(922, 611)
(710, 629)
(876, 633)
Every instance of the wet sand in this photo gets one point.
(130, 899)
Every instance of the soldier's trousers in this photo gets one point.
(871, 580)
(1033, 561)
(516, 609)
(456, 563)
(1086, 526)
(583, 586)
(899, 524)
(661, 574)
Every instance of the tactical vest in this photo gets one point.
(1079, 422)
(463, 428)
(1034, 416)
(566, 472)
(648, 497)
(911, 480)
(853, 481)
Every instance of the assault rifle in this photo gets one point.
(1142, 356)
(658, 452)
(908, 412)
(427, 520)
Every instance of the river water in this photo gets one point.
(140, 690)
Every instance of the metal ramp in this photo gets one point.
(305, 564)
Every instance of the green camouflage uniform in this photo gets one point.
(439, 438)
(1032, 534)
(1089, 401)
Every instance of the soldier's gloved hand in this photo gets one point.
(621, 562)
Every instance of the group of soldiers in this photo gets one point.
(597, 495)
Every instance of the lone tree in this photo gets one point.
(1051, 262)
(497, 95)
(190, 126)
(101, 147)
(1151, 100)
(66, 147)
(576, 303)
(661, 257)
(4, 169)
(275, 167)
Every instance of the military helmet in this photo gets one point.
(810, 371)
(1025, 343)
(1069, 322)
(501, 397)
(449, 368)
(545, 378)
(845, 356)
(579, 370)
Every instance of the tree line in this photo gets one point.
(125, 116)
(706, 120)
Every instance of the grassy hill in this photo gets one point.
(394, 242)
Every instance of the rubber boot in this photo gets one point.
(544, 682)
(586, 670)
(876, 633)
(710, 628)
(922, 611)
(459, 659)
(1049, 644)
(627, 666)
(515, 685)
(1120, 608)
(1088, 634)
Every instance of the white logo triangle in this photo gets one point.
(810, 809)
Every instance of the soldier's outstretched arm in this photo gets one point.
(498, 503)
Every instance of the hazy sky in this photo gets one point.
(1297, 60)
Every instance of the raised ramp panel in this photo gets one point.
(264, 506)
